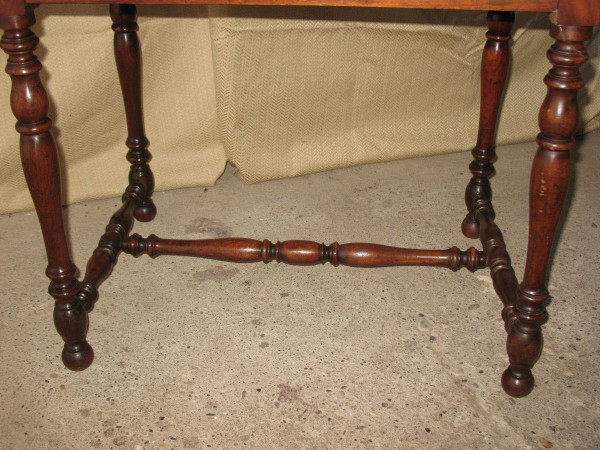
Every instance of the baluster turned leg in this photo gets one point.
(494, 67)
(128, 56)
(29, 103)
(549, 180)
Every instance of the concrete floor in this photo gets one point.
(194, 353)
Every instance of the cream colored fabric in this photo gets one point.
(297, 96)
(297, 90)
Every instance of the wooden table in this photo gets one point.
(524, 304)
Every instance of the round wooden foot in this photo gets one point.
(77, 356)
(517, 386)
(146, 212)
(470, 227)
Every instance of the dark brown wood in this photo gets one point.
(549, 181)
(29, 103)
(11, 8)
(128, 56)
(105, 255)
(579, 12)
(481, 5)
(494, 67)
(479, 222)
(136, 200)
(524, 305)
(304, 252)
(498, 260)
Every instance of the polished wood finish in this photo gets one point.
(524, 305)
(549, 181)
(128, 56)
(479, 222)
(136, 199)
(9, 8)
(29, 103)
(481, 5)
(579, 12)
(503, 275)
(304, 252)
(494, 67)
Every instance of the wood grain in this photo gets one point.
(579, 12)
(39, 158)
(524, 306)
(494, 68)
(304, 252)
(548, 186)
(128, 57)
(483, 5)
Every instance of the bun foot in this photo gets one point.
(470, 227)
(146, 212)
(77, 357)
(517, 386)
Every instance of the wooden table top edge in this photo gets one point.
(570, 12)
(482, 5)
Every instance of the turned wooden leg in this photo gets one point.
(494, 67)
(128, 56)
(549, 180)
(29, 103)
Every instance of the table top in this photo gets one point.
(570, 12)
(497, 5)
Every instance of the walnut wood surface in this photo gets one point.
(105, 255)
(579, 12)
(503, 275)
(549, 181)
(136, 199)
(494, 67)
(304, 252)
(128, 57)
(479, 222)
(29, 103)
(481, 5)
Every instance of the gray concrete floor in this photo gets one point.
(194, 353)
